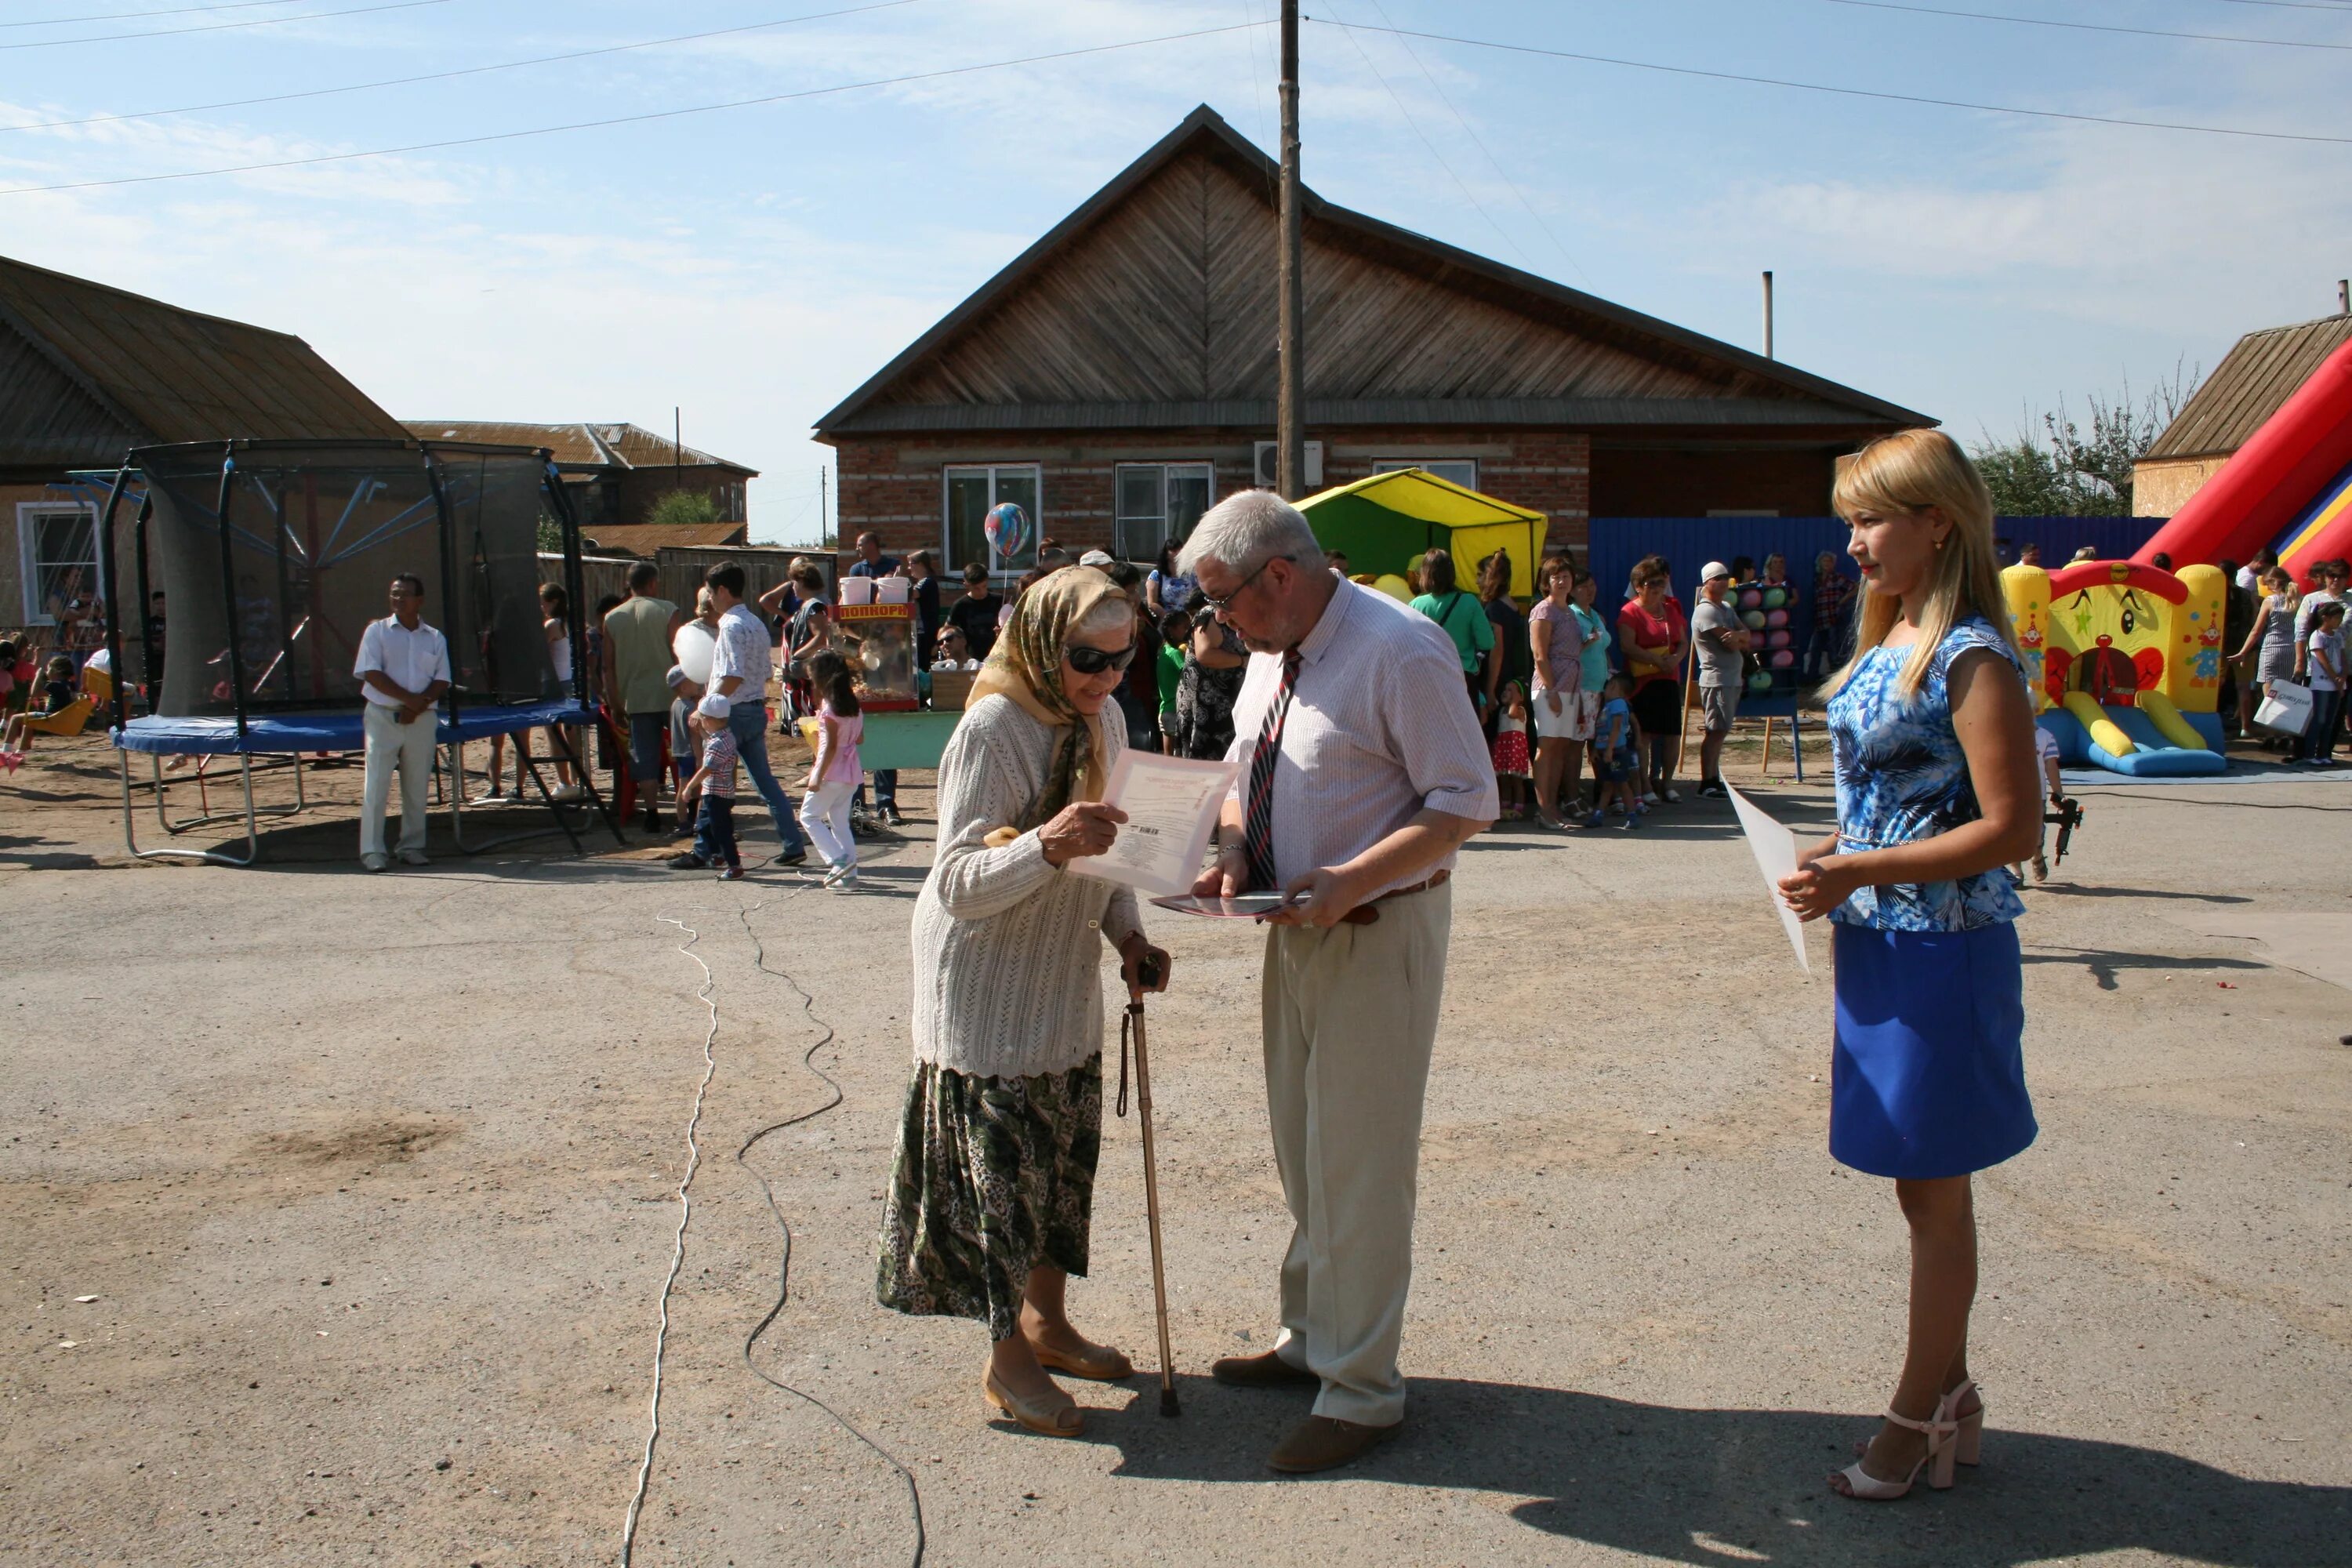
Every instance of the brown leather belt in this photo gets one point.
(1366, 914)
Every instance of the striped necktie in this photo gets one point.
(1258, 825)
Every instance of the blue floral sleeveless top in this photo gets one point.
(1901, 777)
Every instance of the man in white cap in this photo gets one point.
(1095, 558)
(1721, 639)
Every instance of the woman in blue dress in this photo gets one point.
(1937, 793)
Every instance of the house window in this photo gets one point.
(1463, 471)
(57, 551)
(1160, 502)
(971, 492)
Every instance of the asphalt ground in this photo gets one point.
(372, 1182)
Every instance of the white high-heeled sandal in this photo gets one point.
(1967, 1438)
(1862, 1484)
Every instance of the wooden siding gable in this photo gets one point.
(1161, 289)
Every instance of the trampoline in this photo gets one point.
(276, 555)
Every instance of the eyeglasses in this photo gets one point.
(1219, 605)
(1095, 660)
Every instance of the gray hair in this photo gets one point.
(1243, 531)
(1108, 616)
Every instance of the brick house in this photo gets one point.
(1119, 376)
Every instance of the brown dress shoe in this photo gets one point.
(1324, 1442)
(1265, 1370)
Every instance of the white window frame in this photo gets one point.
(29, 514)
(1119, 520)
(1390, 465)
(952, 472)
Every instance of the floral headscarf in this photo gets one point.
(1025, 666)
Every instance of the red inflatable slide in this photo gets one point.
(2289, 487)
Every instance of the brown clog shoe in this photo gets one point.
(1267, 1370)
(1099, 1362)
(1052, 1420)
(1325, 1443)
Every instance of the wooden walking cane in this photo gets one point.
(1148, 975)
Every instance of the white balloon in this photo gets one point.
(694, 647)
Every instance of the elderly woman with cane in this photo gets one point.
(992, 1184)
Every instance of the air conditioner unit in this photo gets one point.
(1269, 466)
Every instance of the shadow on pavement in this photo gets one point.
(2105, 966)
(1728, 1486)
(2077, 890)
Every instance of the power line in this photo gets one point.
(2088, 27)
(1858, 91)
(224, 26)
(124, 15)
(449, 75)
(1468, 130)
(2294, 4)
(626, 118)
(1467, 195)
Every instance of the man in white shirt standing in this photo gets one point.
(403, 669)
(1362, 772)
(740, 667)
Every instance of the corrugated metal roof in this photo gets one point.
(645, 538)
(171, 374)
(1246, 413)
(2246, 388)
(574, 446)
(585, 445)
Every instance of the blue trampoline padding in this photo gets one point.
(286, 733)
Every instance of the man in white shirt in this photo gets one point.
(1362, 772)
(740, 667)
(403, 669)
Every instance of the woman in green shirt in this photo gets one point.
(1462, 617)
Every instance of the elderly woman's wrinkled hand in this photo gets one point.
(1082, 827)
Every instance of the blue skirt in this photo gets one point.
(1927, 1078)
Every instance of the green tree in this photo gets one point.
(551, 535)
(2055, 467)
(684, 506)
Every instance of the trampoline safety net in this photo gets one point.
(315, 533)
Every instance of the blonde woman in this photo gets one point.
(2271, 640)
(1937, 794)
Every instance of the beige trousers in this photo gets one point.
(406, 749)
(1350, 1019)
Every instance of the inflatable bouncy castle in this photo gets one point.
(2124, 661)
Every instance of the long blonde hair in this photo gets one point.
(1913, 471)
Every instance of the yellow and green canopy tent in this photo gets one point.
(1385, 522)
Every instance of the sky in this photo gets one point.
(750, 265)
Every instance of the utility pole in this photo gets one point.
(677, 447)
(1768, 314)
(823, 529)
(1290, 398)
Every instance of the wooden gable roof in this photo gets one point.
(1154, 304)
(142, 372)
(2259, 373)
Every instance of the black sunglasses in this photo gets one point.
(1095, 660)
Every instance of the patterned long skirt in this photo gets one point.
(993, 1177)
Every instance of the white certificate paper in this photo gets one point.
(1172, 805)
(1774, 849)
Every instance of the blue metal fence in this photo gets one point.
(1689, 543)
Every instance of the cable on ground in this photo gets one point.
(826, 1036)
(784, 1270)
(677, 1250)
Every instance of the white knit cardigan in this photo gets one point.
(1009, 947)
